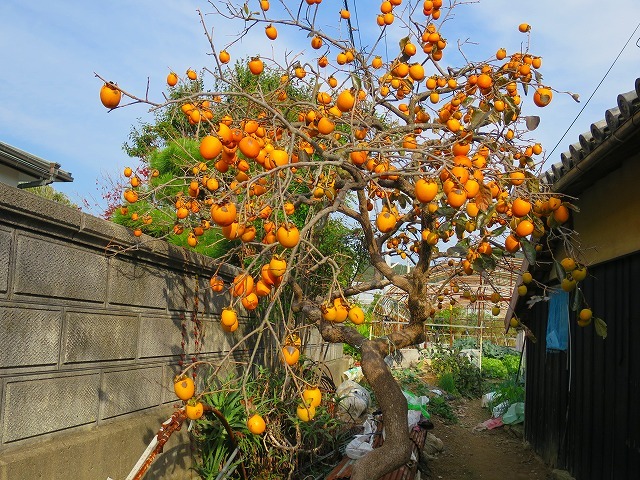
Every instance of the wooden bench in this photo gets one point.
(408, 471)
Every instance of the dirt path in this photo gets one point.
(488, 454)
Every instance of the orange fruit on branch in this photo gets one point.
(306, 412)
(210, 147)
(271, 32)
(312, 396)
(223, 215)
(172, 79)
(224, 56)
(194, 410)
(184, 387)
(256, 66)
(291, 355)
(542, 96)
(110, 95)
(345, 101)
(425, 190)
(288, 235)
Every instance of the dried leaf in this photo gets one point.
(576, 97)
(532, 300)
(571, 206)
(403, 42)
(601, 327)
(483, 198)
(532, 122)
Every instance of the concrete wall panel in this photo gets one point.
(35, 407)
(93, 337)
(50, 269)
(29, 336)
(127, 391)
(5, 251)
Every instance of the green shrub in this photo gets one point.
(493, 368)
(447, 382)
(439, 406)
(491, 350)
(467, 377)
(510, 391)
(511, 362)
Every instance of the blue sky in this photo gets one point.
(49, 52)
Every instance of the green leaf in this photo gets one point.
(560, 273)
(529, 251)
(478, 118)
(484, 262)
(446, 212)
(571, 206)
(356, 81)
(509, 115)
(601, 327)
(460, 248)
(578, 300)
(498, 231)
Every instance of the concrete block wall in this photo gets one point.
(91, 332)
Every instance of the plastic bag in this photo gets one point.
(354, 374)
(515, 414)
(359, 446)
(353, 398)
(417, 403)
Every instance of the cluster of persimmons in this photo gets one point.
(419, 154)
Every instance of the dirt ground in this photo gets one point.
(488, 454)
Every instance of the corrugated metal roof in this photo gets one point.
(615, 120)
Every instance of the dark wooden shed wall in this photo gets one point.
(583, 405)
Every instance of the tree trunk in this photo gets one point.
(396, 450)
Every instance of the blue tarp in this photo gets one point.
(558, 321)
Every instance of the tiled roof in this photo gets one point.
(31, 165)
(618, 122)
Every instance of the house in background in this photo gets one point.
(24, 170)
(583, 400)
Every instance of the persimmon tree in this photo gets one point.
(432, 162)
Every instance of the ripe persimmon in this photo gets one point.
(184, 387)
(172, 79)
(110, 95)
(224, 56)
(271, 32)
(256, 424)
(542, 96)
(561, 214)
(306, 412)
(290, 354)
(511, 244)
(256, 66)
(210, 147)
(345, 101)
